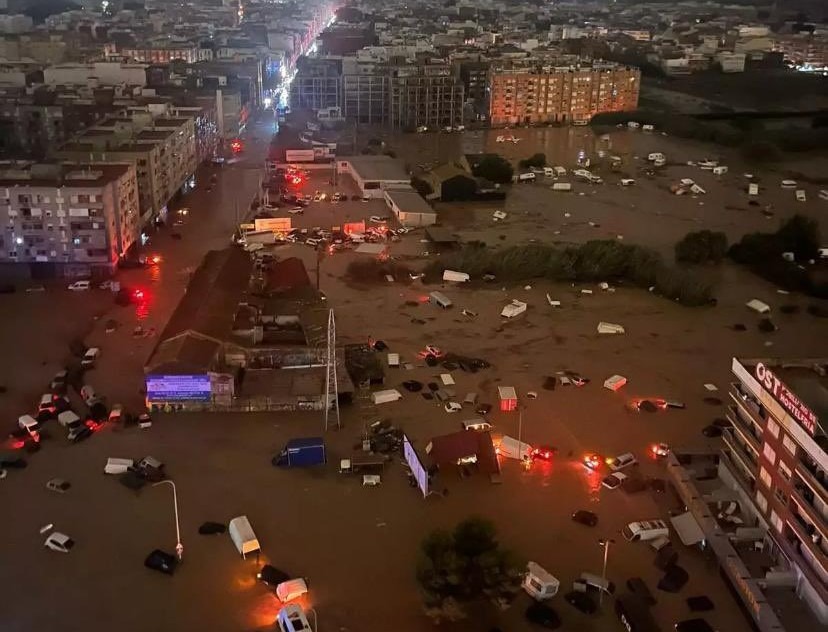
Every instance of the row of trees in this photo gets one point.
(594, 261)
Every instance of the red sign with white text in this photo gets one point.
(790, 402)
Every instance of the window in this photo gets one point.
(790, 444)
(773, 428)
(761, 501)
(784, 470)
(770, 453)
(780, 495)
(766, 477)
(776, 521)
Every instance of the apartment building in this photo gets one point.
(571, 94)
(67, 220)
(163, 150)
(425, 94)
(777, 455)
(400, 93)
(318, 84)
(164, 53)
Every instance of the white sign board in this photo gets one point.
(299, 155)
(417, 469)
(275, 224)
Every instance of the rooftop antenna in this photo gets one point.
(331, 388)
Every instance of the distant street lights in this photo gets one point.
(179, 548)
(606, 544)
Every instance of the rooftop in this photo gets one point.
(378, 167)
(409, 201)
(52, 175)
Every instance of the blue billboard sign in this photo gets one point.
(171, 388)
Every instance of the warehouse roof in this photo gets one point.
(378, 167)
(409, 201)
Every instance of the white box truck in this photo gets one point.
(513, 449)
(386, 396)
(243, 537)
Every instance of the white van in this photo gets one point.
(386, 396)
(800, 195)
(477, 424)
(242, 535)
(645, 530)
(548, 172)
(562, 186)
(753, 189)
(439, 299)
(559, 172)
(90, 357)
(621, 461)
(68, 419)
(539, 583)
(513, 449)
(527, 177)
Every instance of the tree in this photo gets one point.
(800, 235)
(495, 168)
(463, 566)
(535, 160)
(458, 189)
(702, 246)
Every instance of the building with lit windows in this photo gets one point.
(67, 220)
(523, 95)
(777, 453)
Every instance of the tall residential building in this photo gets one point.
(163, 150)
(67, 220)
(570, 94)
(777, 455)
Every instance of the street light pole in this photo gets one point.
(179, 548)
(606, 544)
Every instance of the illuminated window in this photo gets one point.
(790, 444)
(770, 453)
(773, 428)
(776, 521)
(766, 477)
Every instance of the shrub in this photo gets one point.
(683, 286)
(535, 160)
(702, 247)
(762, 253)
(495, 168)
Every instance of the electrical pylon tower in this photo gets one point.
(331, 388)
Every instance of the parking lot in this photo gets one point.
(358, 545)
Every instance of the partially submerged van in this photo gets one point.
(539, 583)
(527, 177)
(242, 535)
(440, 300)
(645, 530)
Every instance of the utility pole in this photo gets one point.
(606, 544)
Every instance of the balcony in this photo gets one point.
(790, 545)
(745, 426)
(749, 459)
(747, 403)
(815, 479)
(811, 540)
(804, 500)
(736, 468)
